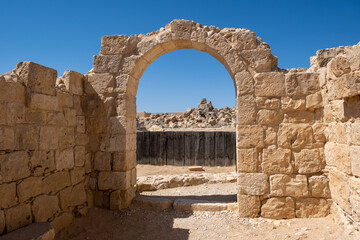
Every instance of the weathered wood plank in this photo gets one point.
(170, 148)
(179, 152)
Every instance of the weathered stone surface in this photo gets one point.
(15, 113)
(106, 64)
(314, 101)
(247, 107)
(276, 161)
(73, 82)
(244, 83)
(62, 221)
(29, 187)
(8, 195)
(66, 137)
(56, 181)
(285, 185)
(338, 155)
(77, 175)
(12, 92)
(355, 160)
(250, 136)
(27, 137)
(355, 198)
(14, 166)
(270, 117)
(2, 221)
(319, 186)
(7, 138)
(312, 207)
(278, 208)
(308, 161)
(270, 84)
(48, 138)
(102, 161)
(247, 160)
(301, 84)
(114, 180)
(299, 117)
(268, 103)
(270, 136)
(18, 216)
(249, 206)
(37, 78)
(253, 183)
(340, 189)
(118, 44)
(64, 159)
(100, 83)
(72, 196)
(295, 136)
(42, 102)
(44, 207)
(42, 162)
(293, 104)
(347, 85)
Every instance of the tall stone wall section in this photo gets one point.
(340, 80)
(44, 162)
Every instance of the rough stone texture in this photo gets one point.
(253, 183)
(270, 84)
(44, 207)
(276, 161)
(307, 161)
(14, 166)
(301, 84)
(18, 216)
(247, 160)
(319, 186)
(312, 207)
(29, 187)
(62, 221)
(285, 185)
(250, 136)
(8, 195)
(249, 206)
(278, 208)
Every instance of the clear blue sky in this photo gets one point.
(66, 34)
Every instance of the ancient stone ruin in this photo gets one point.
(69, 144)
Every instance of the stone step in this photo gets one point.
(181, 204)
(34, 231)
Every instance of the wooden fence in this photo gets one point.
(186, 148)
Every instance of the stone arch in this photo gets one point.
(125, 58)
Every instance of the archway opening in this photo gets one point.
(186, 123)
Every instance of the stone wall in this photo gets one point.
(340, 80)
(44, 162)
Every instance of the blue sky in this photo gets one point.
(66, 34)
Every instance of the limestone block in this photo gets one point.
(293, 104)
(42, 162)
(338, 155)
(18, 216)
(353, 133)
(338, 110)
(268, 103)
(253, 183)
(299, 117)
(2, 221)
(244, 83)
(14, 166)
(77, 175)
(80, 155)
(269, 84)
(44, 207)
(81, 139)
(35, 117)
(337, 67)
(250, 136)
(56, 181)
(123, 161)
(247, 160)
(72, 196)
(243, 40)
(276, 161)
(27, 137)
(260, 59)
(285, 185)
(353, 54)
(3, 113)
(62, 221)
(56, 118)
(12, 92)
(295, 136)
(64, 159)
(80, 124)
(319, 133)
(150, 48)
(66, 99)
(312, 207)
(347, 85)
(37, 78)
(8, 195)
(102, 161)
(15, 113)
(73, 82)
(246, 109)
(308, 161)
(29, 187)
(48, 138)
(114, 180)
(301, 84)
(336, 132)
(319, 186)
(70, 117)
(115, 143)
(7, 138)
(314, 101)
(100, 83)
(42, 102)
(115, 200)
(325, 55)
(118, 44)
(278, 208)
(355, 160)
(66, 137)
(181, 29)
(355, 198)
(249, 206)
(270, 136)
(340, 189)
(270, 117)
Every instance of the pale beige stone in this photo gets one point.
(72, 196)
(295, 136)
(100, 83)
(250, 136)
(44, 207)
(249, 206)
(37, 78)
(247, 160)
(293, 104)
(336, 132)
(340, 189)
(123, 161)
(345, 86)
(308, 161)
(299, 117)
(56, 181)
(314, 101)
(62, 221)
(42, 102)
(114, 180)
(18, 216)
(270, 84)
(14, 166)
(338, 155)
(276, 161)
(270, 136)
(353, 133)
(338, 110)
(355, 198)
(65, 99)
(253, 183)
(102, 161)
(246, 107)
(118, 44)
(278, 208)
(319, 186)
(269, 117)
(301, 84)
(8, 195)
(107, 63)
(355, 160)
(15, 113)
(29, 187)
(244, 83)
(285, 185)
(268, 103)
(64, 159)
(312, 208)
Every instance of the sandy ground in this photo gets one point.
(146, 170)
(137, 223)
